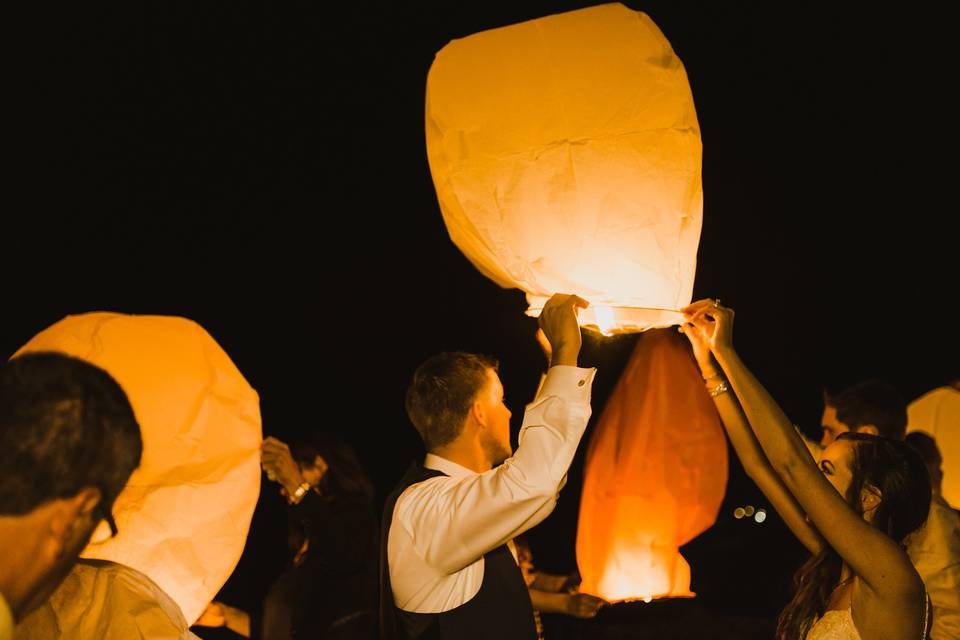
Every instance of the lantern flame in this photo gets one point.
(605, 320)
(641, 569)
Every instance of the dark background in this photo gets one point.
(261, 170)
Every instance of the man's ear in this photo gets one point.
(478, 411)
(869, 429)
(66, 515)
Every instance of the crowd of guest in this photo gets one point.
(446, 556)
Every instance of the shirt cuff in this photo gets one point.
(570, 383)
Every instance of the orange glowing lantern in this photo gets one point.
(184, 515)
(656, 472)
(566, 154)
(937, 413)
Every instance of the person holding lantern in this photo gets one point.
(329, 589)
(446, 564)
(852, 509)
(875, 407)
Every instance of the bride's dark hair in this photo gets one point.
(894, 470)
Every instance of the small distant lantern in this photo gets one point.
(655, 476)
(566, 156)
(937, 413)
(184, 515)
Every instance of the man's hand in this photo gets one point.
(279, 465)
(584, 605)
(559, 323)
(218, 614)
(213, 616)
(544, 345)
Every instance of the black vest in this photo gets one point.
(501, 609)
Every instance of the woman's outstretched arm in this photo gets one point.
(876, 559)
(751, 456)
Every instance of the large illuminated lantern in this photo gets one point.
(566, 155)
(656, 473)
(184, 515)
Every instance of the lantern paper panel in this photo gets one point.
(937, 413)
(184, 515)
(655, 475)
(566, 156)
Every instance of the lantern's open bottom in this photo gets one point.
(610, 320)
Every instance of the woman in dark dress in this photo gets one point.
(331, 587)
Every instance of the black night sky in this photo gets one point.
(261, 169)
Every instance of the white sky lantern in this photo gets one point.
(566, 155)
(937, 413)
(184, 515)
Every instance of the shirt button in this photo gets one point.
(581, 383)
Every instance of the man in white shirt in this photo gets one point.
(447, 568)
(69, 441)
(935, 548)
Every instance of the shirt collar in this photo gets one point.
(452, 469)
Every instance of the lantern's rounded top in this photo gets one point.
(566, 156)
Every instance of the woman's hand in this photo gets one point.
(701, 349)
(709, 323)
(279, 465)
(584, 605)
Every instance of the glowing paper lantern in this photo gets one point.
(656, 472)
(184, 515)
(565, 152)
(938, 414)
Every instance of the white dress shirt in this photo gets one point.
(442, 527)
(935, 552)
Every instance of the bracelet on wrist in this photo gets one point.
(717, 389)
(299, 492)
